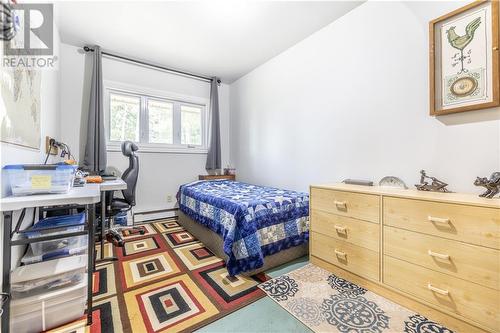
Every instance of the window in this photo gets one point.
(155, 123)
(161, 120)
(124, 115)
(191, 125)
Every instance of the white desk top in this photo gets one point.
(113, 185)
(88, 194)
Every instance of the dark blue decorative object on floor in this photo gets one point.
(420, 324)
(280, 288)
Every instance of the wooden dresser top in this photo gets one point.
(456, 198)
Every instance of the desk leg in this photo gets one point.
(91, 262)
(7, 227)
(102, 258)
(103, 222)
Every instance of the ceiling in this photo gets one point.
(223, 38)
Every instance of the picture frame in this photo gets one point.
(464, 59)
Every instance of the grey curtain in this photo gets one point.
(214, 150)
(95, 147)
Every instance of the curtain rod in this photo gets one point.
(148, 64)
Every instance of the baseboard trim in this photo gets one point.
(145, 216)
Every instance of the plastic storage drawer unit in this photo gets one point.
(48, 276)
(55, 226)
(49, 310)
(29, 258)
(27, 179)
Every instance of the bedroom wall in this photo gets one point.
(351, 101)
(160, 173)
(49, 121)
(49, 125)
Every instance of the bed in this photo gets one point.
(252, 227)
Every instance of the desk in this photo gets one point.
(106, 186)
(113, 185)
(87, 195)
(84, 195)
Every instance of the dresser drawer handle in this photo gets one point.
(340, 204)
(340, 253)
(340, 229)
(438, 219)
(438, 255)
(437, 290)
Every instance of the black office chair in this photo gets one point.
(129, 176)
(120, 205)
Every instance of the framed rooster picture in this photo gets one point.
(464, 59)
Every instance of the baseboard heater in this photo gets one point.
(154, 214)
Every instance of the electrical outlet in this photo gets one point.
(169, 198)
(50, 149)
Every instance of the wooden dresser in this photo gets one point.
(435, 253)
(217, 177)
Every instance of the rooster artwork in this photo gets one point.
(463, 56)
(460, 42)
(463, 84)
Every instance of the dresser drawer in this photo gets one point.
(357, 232)
(350, 257)
(469, 224)
(356, 205)
(470, 262)
(464, 298)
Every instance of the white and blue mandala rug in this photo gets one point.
(327, 303)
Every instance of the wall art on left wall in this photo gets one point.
(20, 107)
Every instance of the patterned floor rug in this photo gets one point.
(164, 281)
(327, 303)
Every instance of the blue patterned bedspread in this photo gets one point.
(254, 221)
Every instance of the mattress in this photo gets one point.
(253, 221)
(215, 244)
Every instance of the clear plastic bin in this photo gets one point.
(27, 179)
(49, 310)
(59, 247)
(29, 258)
(56, 226)
(48, 276)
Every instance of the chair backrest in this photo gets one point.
(130, 175)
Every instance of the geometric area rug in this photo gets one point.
(327, 303)
(164, 281)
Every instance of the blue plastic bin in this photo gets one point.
(28, 179)
(46, 225)
(54, 226)
(120, 219)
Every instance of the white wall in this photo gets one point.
(161, 174)
(49, 125)
(351, 101)
(49, 120)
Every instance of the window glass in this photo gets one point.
(160, 121)
(124, 116)
(191, 125)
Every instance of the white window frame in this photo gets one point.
(176, 99)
